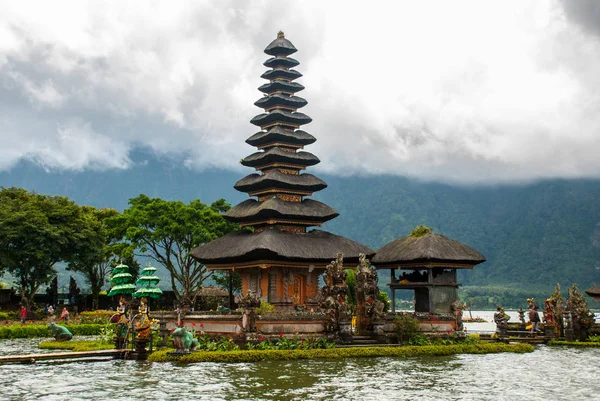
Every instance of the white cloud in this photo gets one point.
(453, 91)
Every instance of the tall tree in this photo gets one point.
(167, 231)
(52, 291)
(36, 232)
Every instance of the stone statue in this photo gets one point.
(121, 324)
(184, 340)
(583, 319)
(60, 333)
(142, 321)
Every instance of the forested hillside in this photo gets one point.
(533, 236)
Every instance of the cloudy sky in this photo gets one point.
(460, 91)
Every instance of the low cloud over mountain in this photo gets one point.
(465, 92)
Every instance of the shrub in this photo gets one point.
(4, 316)
(280, 355)
(265, 307)
(407, 327)
(41, 330)
(95, 317)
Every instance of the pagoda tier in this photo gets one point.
(272, 180)
(281, 74)
(281, 87)
(280, 101)
(278, 157)
(279, 118)
(281, 62)
(277, 135)
(306, 212)
(247, 249)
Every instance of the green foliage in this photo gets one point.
(36, 232)
(95, 317)
(41, 330)
(221, 278)
(5, 316)
(167, 231)
(406, 326)
(420, 231)
(265, 307)
(107, 333)
(336, 353)
(76, 345)
(575, 343)
(290, 343)
(383, 297)
(223, 343)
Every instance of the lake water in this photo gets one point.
(549, 373)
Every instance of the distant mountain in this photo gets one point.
(533, 236)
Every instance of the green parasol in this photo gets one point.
(147, 282)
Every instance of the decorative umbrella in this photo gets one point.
(147, 282)
(121, 281)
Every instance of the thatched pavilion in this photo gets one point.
(278, 258)
(428, 264)
(594, 292)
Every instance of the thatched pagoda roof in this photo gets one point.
(281, 116)
(281, 86)
(280, 134)
(594, 292)
(280, 46)
(212, 291)
(275, 155)
(276, 179)
(252, 210)
(280, 73)
(279, 62)
(315, 246)
(426, 249)
(294, 102)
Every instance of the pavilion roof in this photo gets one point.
(252, 210)
(594, 292)
(428, 248)
(280, 134)
(276, 179)
(315, 246)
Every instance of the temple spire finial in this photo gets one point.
(280, 35)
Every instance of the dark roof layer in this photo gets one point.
(277, 99)
(277, 62)
(281, 86)
(430, 247)
(594, 292)
(280, 47)
(281, 116)
(276, 179)
(275, 155)
(244, 246)
(280, 73)
(252, 210)
(280, 134)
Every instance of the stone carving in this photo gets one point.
(334, 294)
(142, 321)
(369, 307)
(184, 340)
(457, 308)
(121, 324)
(583, 319)
(249, 300)
(60, 333)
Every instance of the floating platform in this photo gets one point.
(32, 358)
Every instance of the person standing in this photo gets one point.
(534, 318)
(23, 314)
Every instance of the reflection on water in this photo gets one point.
(549, 373)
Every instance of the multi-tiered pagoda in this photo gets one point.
(280, 259)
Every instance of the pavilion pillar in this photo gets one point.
(230, 289)
(392, 280)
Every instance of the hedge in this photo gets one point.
(41, 330)
(277, 355)
(575, 343)
(76, 345)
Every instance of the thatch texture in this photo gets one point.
(295, 102)
(594, 292)
(276, 179)
(281, 73)
(280, 134)
(281, 86)
(275, 155)
(253, 210)
(278, 62)
(272, 244)
(280, 47)
(212, 291)
(281, 116)
(430, 247)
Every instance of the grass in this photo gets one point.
(575, 343)
(76, 345)
(336, 353)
